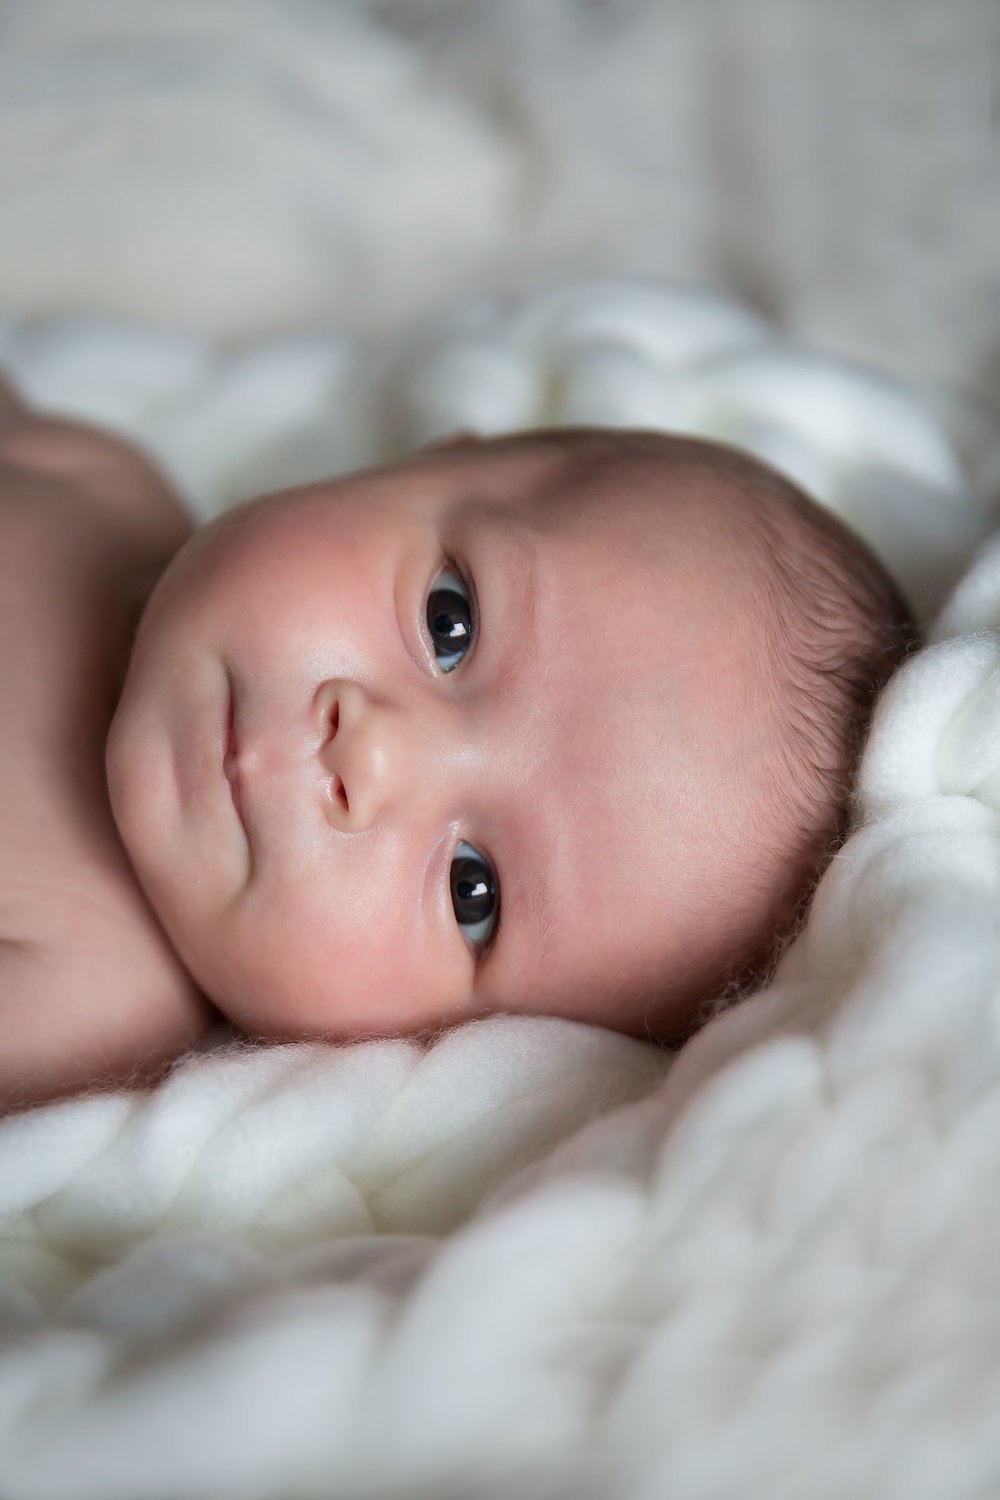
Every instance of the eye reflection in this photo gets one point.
(449, 616)
(473, 895)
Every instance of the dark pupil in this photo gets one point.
(471, 889)
(449, 621)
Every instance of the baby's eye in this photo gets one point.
(473, 895)
(450, 619)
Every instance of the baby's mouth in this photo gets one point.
(230, 760)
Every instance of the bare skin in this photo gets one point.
(90, 990)
(284, 791)
(293, 771)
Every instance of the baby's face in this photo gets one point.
(464, 734)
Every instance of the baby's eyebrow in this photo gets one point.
(533, 906)
(503, 539)
(504, 551)
(525, 897)
(541, 910)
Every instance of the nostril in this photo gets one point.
(339, 791)
(334, 719)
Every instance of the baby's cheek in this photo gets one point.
(263, 974)
(289, 970)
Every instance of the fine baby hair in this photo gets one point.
(836, 628)
(528, 1247)
(638, 755)
(817, 621)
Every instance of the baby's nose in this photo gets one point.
(375, 752)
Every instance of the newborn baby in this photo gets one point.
(560, 723)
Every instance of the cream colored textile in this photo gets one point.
(241, 166)
(535, 1258)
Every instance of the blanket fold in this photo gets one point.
(528, 1257)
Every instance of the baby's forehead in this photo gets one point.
(655, 494)
(643, 599)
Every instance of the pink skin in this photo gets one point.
(611, 803)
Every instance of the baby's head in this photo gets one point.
(560, 723)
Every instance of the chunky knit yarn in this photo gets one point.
(534, 1258)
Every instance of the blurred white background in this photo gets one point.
(236, 166)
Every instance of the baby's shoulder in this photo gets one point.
(89, 986)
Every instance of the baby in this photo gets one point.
(560, 723)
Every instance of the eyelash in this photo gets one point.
(472, 877)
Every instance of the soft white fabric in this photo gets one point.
(244, 166)
(532, 1259)
(234, 423)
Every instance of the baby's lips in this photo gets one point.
(231, 759)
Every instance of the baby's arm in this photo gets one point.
(89, 988)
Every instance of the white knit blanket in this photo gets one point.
(535, 1259)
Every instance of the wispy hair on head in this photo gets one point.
(826, 627)
(835, 629)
